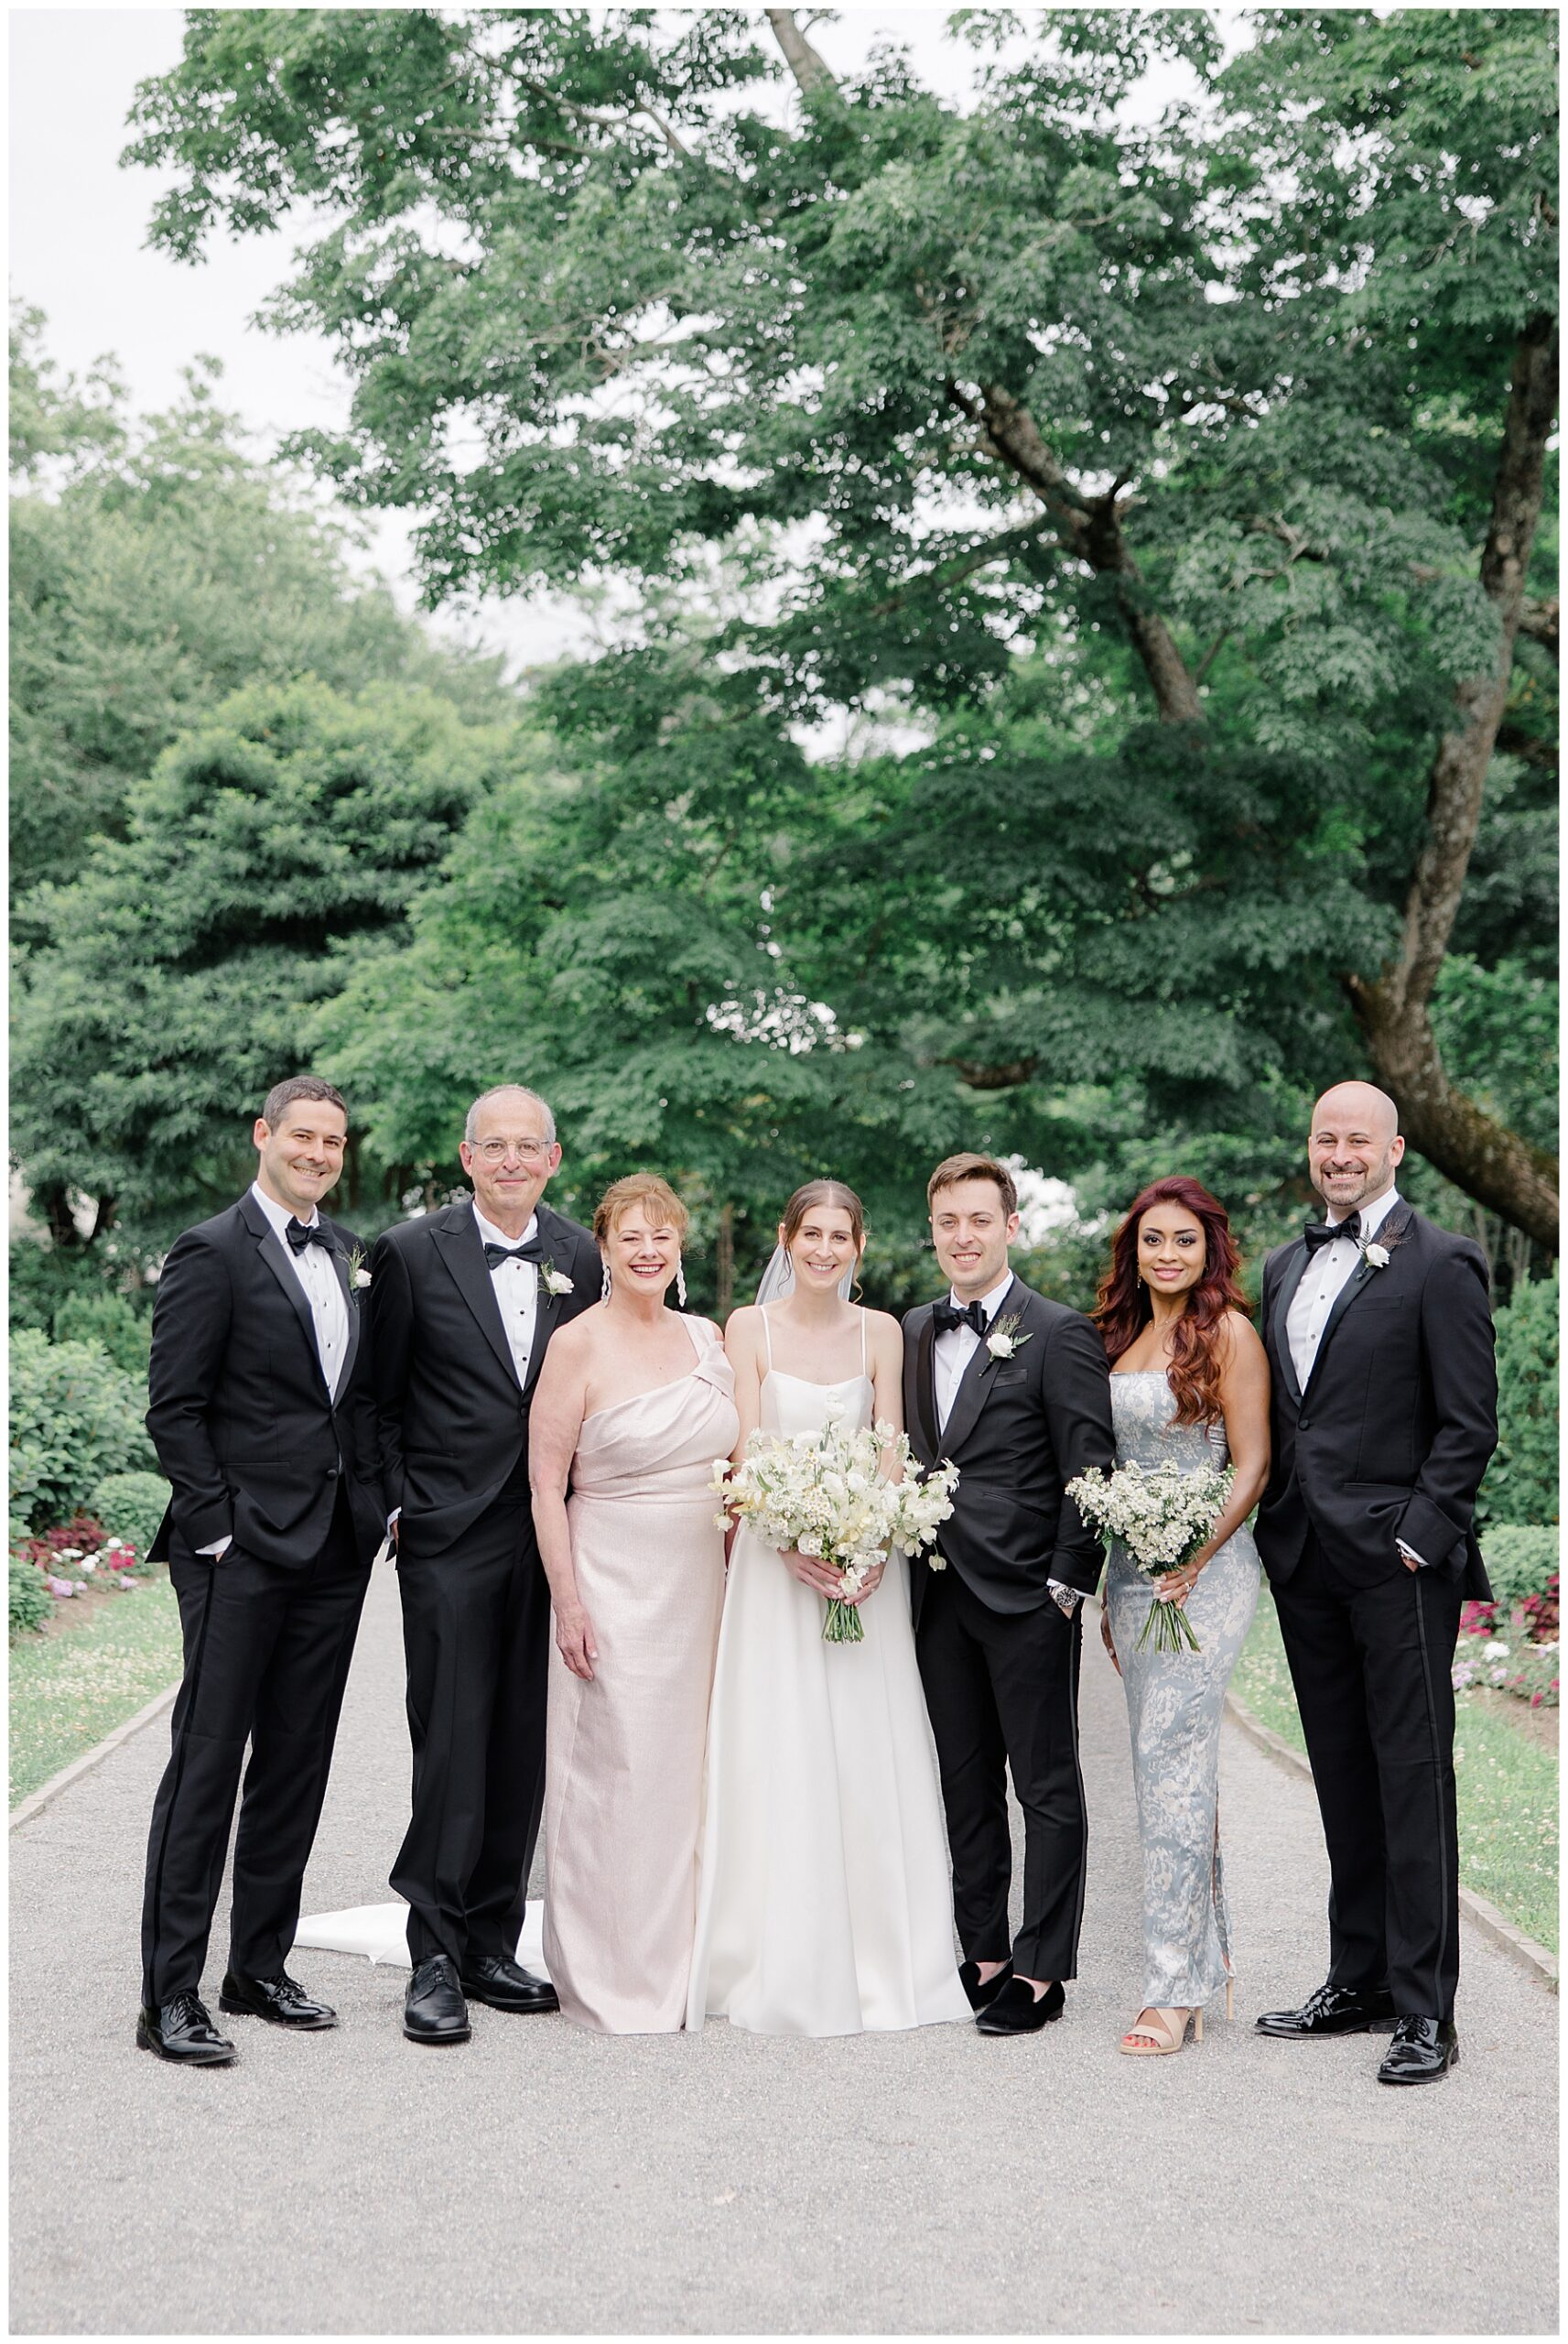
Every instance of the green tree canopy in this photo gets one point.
(1238, 421)
(178, 973)
(156, 568)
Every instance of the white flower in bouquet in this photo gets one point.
(827, 1494)
(1160, 1516)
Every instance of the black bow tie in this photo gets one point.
(529, 1251)
(301, 1234)
(947, 1316)
(1323, 1233)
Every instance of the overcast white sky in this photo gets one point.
(78, 251)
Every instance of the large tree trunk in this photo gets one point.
(1482, 1156)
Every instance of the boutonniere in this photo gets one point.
(1374, 1256)
(359, 1276)
(556, 1281)
(1004, 1338)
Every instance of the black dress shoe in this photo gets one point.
(1018, 2010)
(1423, 2049)
(182, 2031)
(982, 1991)
(280, 1998)
(434, 2010)
(505, 1985)
(1333, 2009)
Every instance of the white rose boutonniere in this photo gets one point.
(556, 1281)
(1377, 1256)
(359, 1276)
(1004, 1338)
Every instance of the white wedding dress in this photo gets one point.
(825, 1900)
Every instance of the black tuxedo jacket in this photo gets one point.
(1398, 1419)
(453, 1418)
(1017, 1431)
(245, 1430)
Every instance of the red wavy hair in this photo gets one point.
(1122, 1309)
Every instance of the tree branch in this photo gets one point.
(810, 72)
(1488, 1161)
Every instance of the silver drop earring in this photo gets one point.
(604, 1281)
(680, 1282)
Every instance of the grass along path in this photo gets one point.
(87, 1674)
(1505, 1768)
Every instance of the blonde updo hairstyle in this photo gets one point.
(664, 1207)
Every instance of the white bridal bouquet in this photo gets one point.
(827, 1494)
(1161, 1517)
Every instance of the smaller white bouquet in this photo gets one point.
(827, 1494)
(1159, 1517)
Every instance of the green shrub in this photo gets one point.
(1520, 1557)
(30, 1598)
(131, 1506)
(75, 1417)
(1522, 1481)
(43, 1275)
(106, 1318)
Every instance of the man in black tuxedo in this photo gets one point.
(1015, 1391)
(1385, 1415)
(464, 1302)
(263, 1422)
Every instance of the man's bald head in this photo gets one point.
(1354, 1149)
(1358, 1102)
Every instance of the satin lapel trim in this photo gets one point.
(1390, 1229)
(546, 1305)
(274, 1254)
(1289, 1278)
(460, 1250)
(925, 1382)
(974, 1386)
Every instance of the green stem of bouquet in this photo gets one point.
(1169, 1626)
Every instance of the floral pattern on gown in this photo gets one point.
(1175, 1704)
(623, 1753)
(826, 1904)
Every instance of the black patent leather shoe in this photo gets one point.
(182, 2031)
(434, 2010)
(982, 1993)
(1332, 2010)
(282, 2000)
(505, 1985)
(1423, 2049)
(1018, 2010)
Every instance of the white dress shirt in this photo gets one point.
(1324, 1279)
(950, 1356)
(951, 1352)
(329, 1311)
(516, 1287)
(1328, 1272)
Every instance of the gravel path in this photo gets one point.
(547, 2179)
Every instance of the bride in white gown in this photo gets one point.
(825, 1901)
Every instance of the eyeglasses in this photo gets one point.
(496, 1151)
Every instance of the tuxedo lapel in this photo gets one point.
(975, 1384)
(925, 1382)
(1291, 1276)
(1389, 1231)
(274, 1254)
(458, 1242)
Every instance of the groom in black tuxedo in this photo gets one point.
(464, 1302)
(1015, 1391)
(1385, 1416)
(261, 1416)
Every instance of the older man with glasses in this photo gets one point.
(463, 1303)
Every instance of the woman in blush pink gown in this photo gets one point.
(634, 1403)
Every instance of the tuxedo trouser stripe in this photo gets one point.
(1437, 1789)
(192, 1680)
(1076, 1632)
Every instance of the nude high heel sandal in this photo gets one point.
(1153, 2036)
